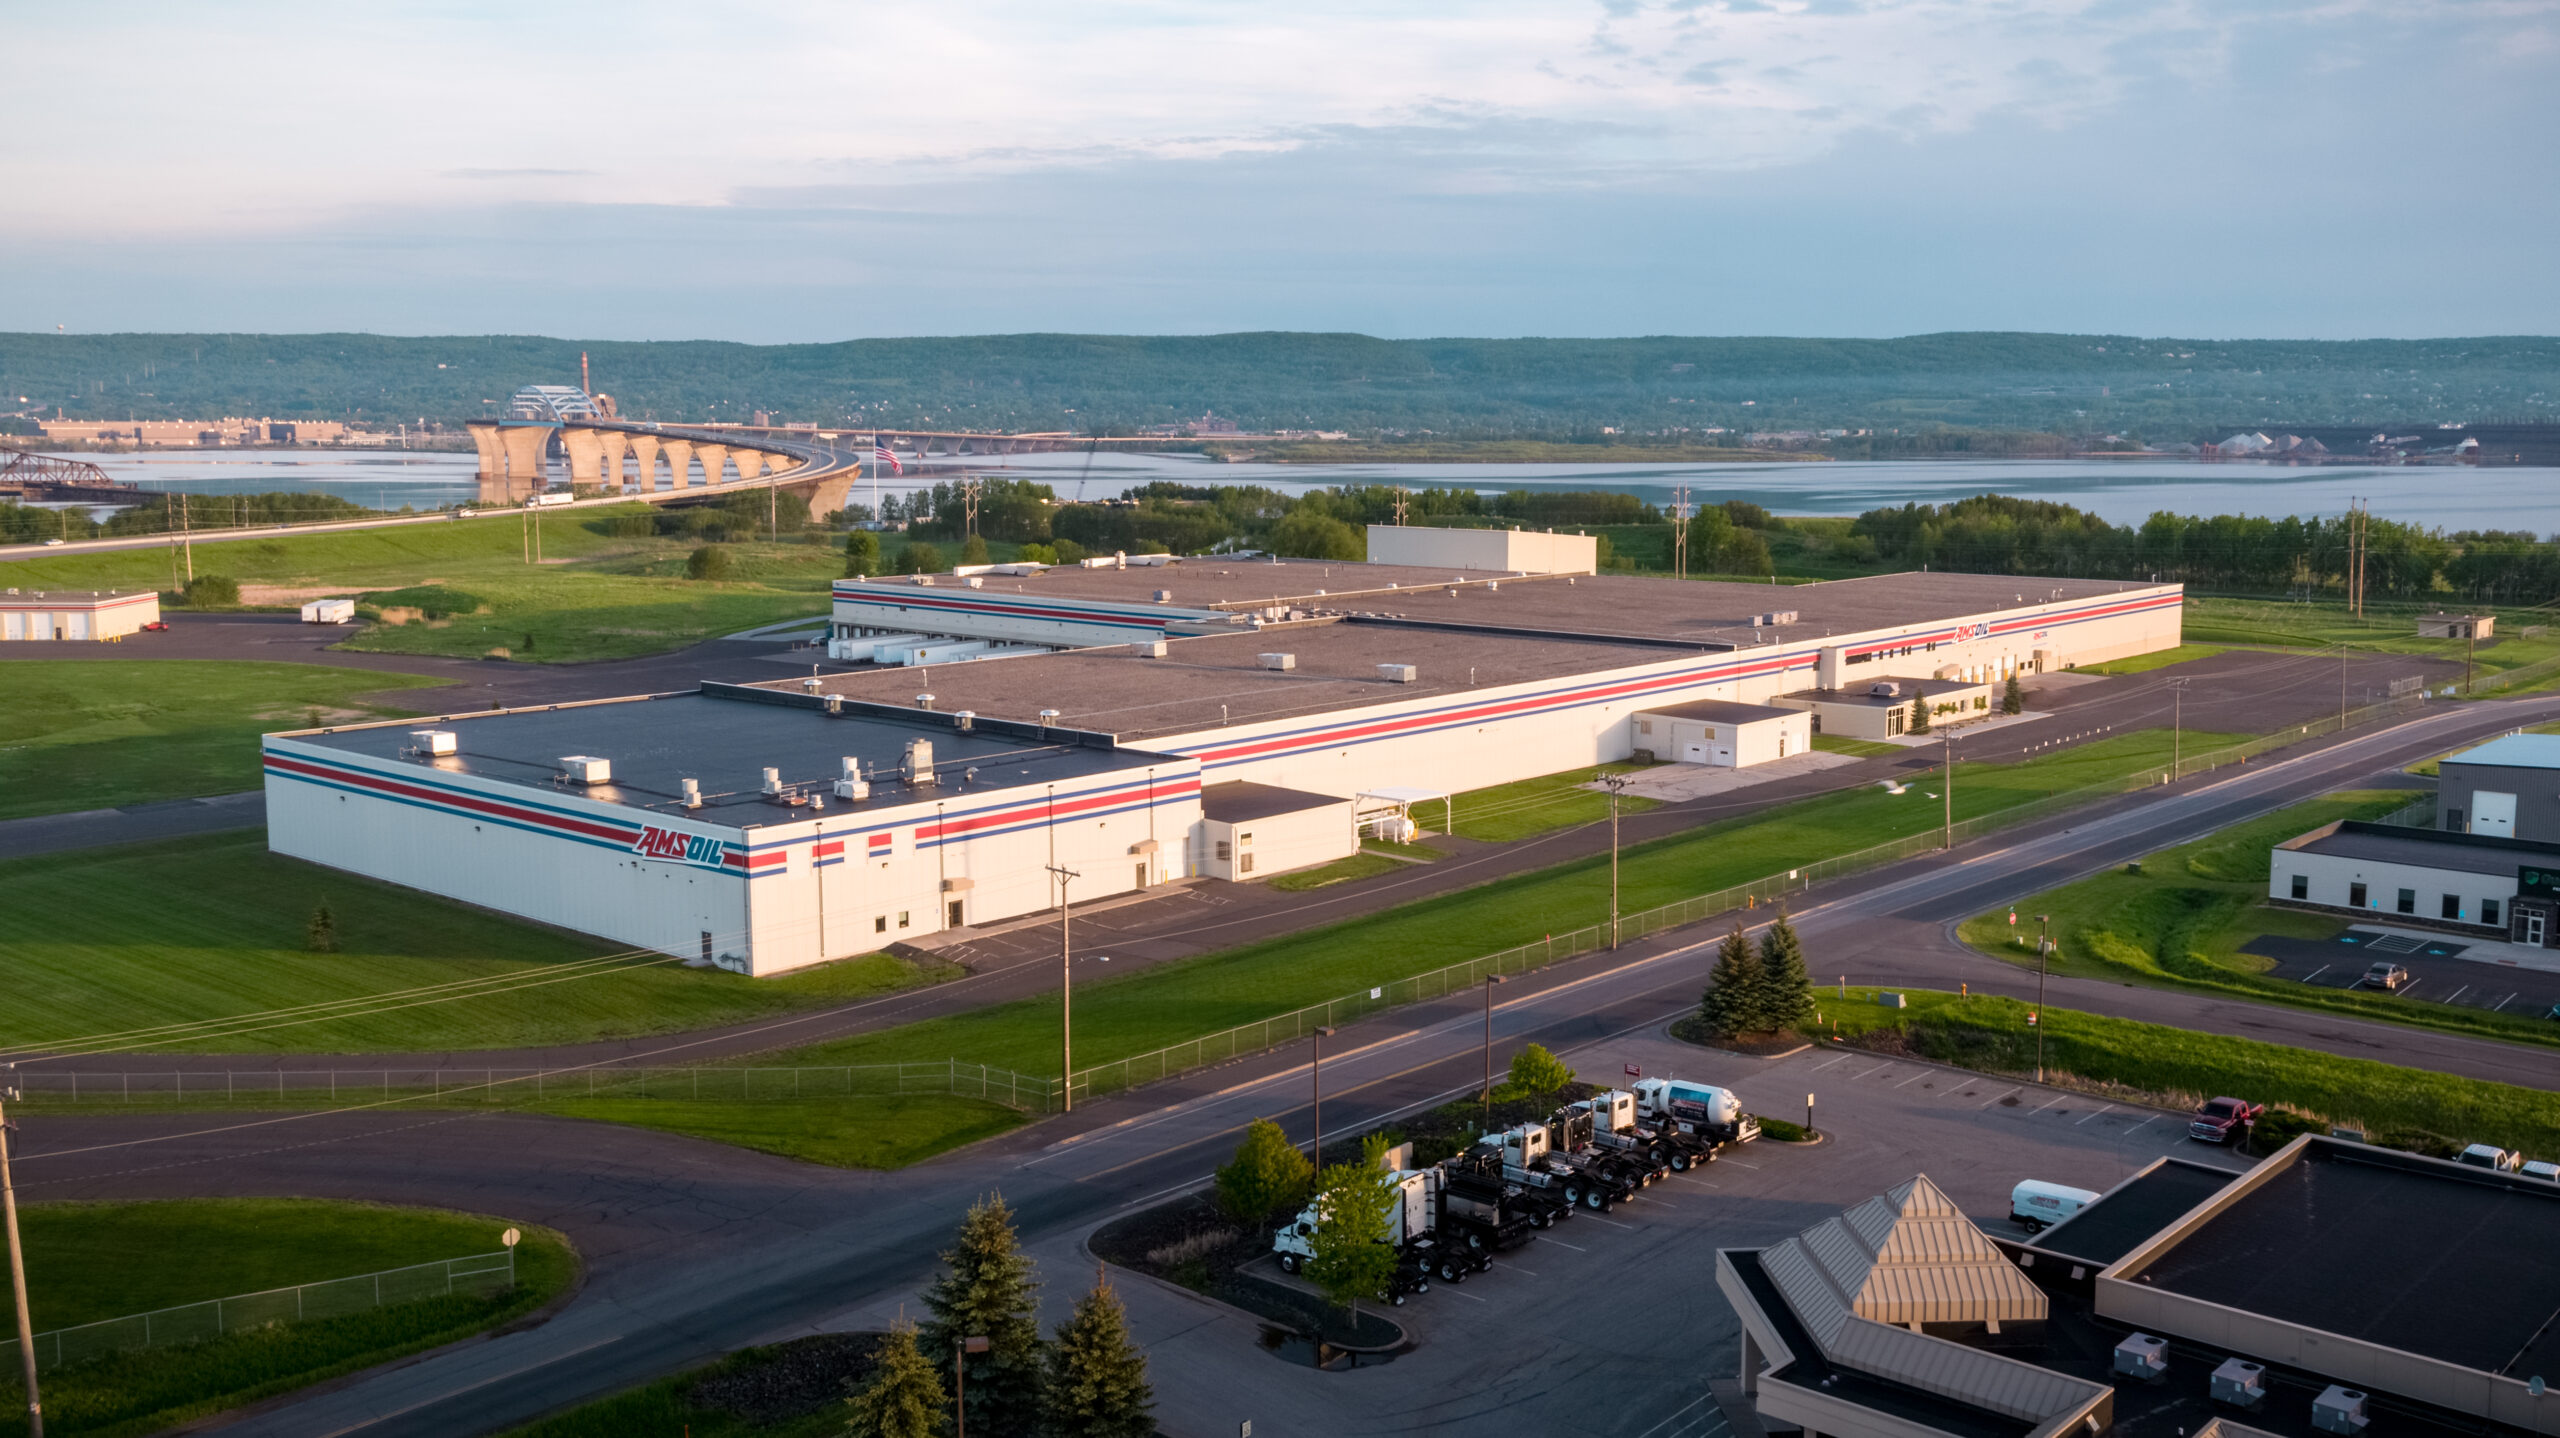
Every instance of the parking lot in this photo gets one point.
(1611, 1324)
(2439, 971)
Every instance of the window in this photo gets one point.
(2302, 886)
(1244, 839)
(2408, 901)
(902, 918)
(706, 946)
(2489, 912)
(1644, 726)
(2452, 906)
(2355, 896)
(1245, 866)
(951, 918)
(1226, 852)
(880, 923)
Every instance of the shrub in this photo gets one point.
(974, 550)
(1535, 1073)
(1267, 1176)
(1070, 552)
(711, 561)
(320, 935)
(435, 601)
(1307, 534)
(213, 591)
(1039, 554)
(861, 553)
(919, 557)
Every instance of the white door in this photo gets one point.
(2493, 814)
(2533, 928)
(75, 625)
(13, 625)
(1696, 754)
(1724, 756)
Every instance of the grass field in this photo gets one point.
(1340, 871)
(91, 1261)
(786, 1390)
(1507, 812)
(858, 1132)
(2389, 630)
(103, 941)
(2404, 1107)
(1856, 748)
(2181, 921)
(97, 733)
(1124, 1017)
(2145, 663)
(593, 596)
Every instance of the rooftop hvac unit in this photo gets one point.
(1148, 649)
(2142, 1356)
(1399, 673)
(1164, 596)
(851, 785)
(2240, 1383)
(1774, 618)
(975, 582)
(587, 769)
(772, 781)
(1885, 689)
(435, 743)
(1279, 661)
(2339, 1409)
(917, 767)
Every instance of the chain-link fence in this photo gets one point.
(515, 1087)
(481, 1273)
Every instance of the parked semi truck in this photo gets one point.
(1576, 1130)
(1530, 1159)
(1412, 1210)
(1618, 1118)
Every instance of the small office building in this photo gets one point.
(1249, 831)
(2185, 1303)
(1881, 709)
(1721, 733)
(68, 614)
(2508, 788)
(2384, 871)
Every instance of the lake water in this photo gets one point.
(2122, 491)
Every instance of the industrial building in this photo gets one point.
(2333, 1289)
(49, 614)
(1078, 712)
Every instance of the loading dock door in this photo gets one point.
(2493, 814)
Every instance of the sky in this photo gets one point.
(768, 171)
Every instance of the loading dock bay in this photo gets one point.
(2436, 972)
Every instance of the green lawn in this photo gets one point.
(2181, 922)
(92, 1261)
(2145, 663)
(2383, 629)
(1123, 1017)
(1856, 748)
(1507, 812)
(187, 930)
(1340, 871)
(689, 1405)
(97, 733)
(856, 1132)
(2401, 1106)
(595, 595)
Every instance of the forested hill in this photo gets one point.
(2159, 390)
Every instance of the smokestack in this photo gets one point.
(585, 385)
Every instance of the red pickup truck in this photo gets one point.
(2225, 1120)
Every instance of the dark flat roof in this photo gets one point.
(1723, 711)
(2425, 848)
(2454, 1263)
(1240, 803)
(2129, 1213)
(726, 744)
(1923, 688)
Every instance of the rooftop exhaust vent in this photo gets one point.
(1885, 689)
(2142, 1356)
(964, 720)
(2340, 1409)
(2240, 1383)
(1154, 648)
(851, 785)
(1048, 718)
(1164, 596)
(772, 782)
(692, 793)
(809, 685)
(835, 704)
(924, 701)
(1774, 618)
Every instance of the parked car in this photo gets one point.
(155, 626)
(2385, 976)
(2038, 1205)
(53, 544)
(2536, 1168)
(2490, 1157)
(2225, 1120)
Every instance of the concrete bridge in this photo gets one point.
(622, 457)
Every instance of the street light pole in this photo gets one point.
(1489, 981)
(2042, 921)
(1066, 999)
(974, 1343)
(1315, 1076)
(18, 1261)
(2177, 724)
(1947, 750)
(1616, 782)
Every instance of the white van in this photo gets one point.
(2037, 1205)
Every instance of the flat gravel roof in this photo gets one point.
(2131, 1212)
(726, 744)
(2429, 848)
(1722, 711)
(2456, 1264)
(1242, 802)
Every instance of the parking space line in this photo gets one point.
(1915, 1078)
(1738, 1163)
(1995, 1098)
(1871, 1073)
(1613, 1223)
(1844, 1058)
(2155, 1118)
(2413, 983)
(2502, 1003)
(1451, 1289)
(1516, 1268)
(1560, 1243)
(2458, 993)
(2315, 973)
(2048, 1103)
(2108, 1108)
(1675, 1417)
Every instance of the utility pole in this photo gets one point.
(1066, 1000)
(1401, 495)
(2342, 686)
(1489, 981)
(187, 528)
(2042, 921)
(1947, 763)
(1616, 783)
(18, 1261)
(1680, 531)
(2177, 724)
(1315, 1076)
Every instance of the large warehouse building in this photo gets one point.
(1132, 723)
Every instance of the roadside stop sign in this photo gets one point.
(2013, 918)
(2031, 1019)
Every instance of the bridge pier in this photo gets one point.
(586, 455)
(493, 457)
(713, 457)
(826, 496)
(679, 463)
(644, 462)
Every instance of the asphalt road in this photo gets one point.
(698, 1249)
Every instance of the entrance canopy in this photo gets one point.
(1399, 800)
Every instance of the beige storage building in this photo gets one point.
(68, 614)
(1252, 831)
(1721, 733)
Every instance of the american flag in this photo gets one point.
(880, 455)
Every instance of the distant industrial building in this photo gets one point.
(2298, 1299)
(193, 433)
(1135, 721)
(68, 614)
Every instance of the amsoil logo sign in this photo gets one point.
(657, 843)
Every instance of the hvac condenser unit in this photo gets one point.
(917, 767)
(1399, 673)
(851, 786)
(587, 769)
(2339, 1409)
(1279, 661)
(2240, 1383)
(434, 743)
(2142, 1356)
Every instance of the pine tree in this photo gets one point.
(988, 1291)
(1731, 1003)
(904, 1398)
(1786, 990)
(320, 936)
(2012, 700)
(1268, 1175)
(1919, 715)
(1096, 1384)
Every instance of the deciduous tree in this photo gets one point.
(1267, 1176)
(1349, 1255)
(861, 553)
(1535, 1073)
